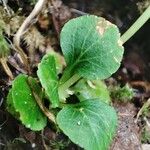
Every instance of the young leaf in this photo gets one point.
(91, 89)
(91, 46)
(90, 124)
(48, 78)
(25, 104)
(59, 60)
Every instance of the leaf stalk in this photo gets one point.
(136, 26)
(69, 82)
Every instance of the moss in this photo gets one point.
(123, 94)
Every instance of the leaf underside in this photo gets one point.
(91, 124)
(91, 47)
(23, 102)
(48, 78)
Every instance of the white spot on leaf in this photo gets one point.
(79, 123)
(81, 109)
(28, 125)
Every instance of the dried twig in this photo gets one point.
(43, 141)
(28, 21)
(6, 68)
(49, 115)
(73, 10)
(6, 7)
(142, 109)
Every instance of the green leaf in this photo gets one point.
(91, 46)
(90, 124)
(59, 60)
(48, 78)
(25, 104)
(91, 89)
(10, 105)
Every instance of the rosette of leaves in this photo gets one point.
(92, 50)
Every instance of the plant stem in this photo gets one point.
(47, 113)
(69, 82)
(39, 101)
(136, 26)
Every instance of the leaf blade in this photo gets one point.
(48, 78)
(92, 119)
(91, 47)
(25, 104)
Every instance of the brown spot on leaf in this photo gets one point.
(100, 30)
(102, 25)
(109, 23)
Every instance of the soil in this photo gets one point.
(128, 131)
(135, 70)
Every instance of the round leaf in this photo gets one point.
(25, 103)
(91, 46)
(90, 124)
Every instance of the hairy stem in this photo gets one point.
(136, 26)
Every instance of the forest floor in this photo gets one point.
(134, 121)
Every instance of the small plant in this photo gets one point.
(92, 50)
